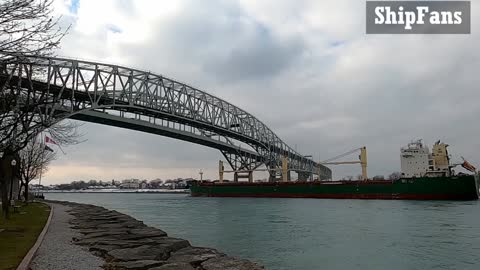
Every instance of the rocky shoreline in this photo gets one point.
(126, 243)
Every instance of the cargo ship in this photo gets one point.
(424, 176)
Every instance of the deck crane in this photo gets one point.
(362, 160)
(466, 165)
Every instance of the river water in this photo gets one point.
(310, 234)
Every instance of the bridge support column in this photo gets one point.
(303, 176)
(285, 171)
(245, 175)
(286, 176)
(221, 170)
(272, 176)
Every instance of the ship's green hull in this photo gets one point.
(426, 188)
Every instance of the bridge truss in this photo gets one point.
(134, 99)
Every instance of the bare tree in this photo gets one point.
(6, 173)
(37, 154)
(34, 161)
(66, 133)
(27, 27)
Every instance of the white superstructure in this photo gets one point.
(417, 161)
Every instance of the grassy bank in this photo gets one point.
(20, 233)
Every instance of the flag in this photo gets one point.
(48, 148)
(49, 140)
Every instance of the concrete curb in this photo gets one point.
(24, 265)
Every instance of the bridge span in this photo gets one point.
(139, 100)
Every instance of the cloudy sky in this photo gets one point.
(305, 68)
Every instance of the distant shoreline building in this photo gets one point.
(130, 184)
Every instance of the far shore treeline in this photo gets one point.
(178, 183)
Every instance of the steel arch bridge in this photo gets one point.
(134, 99)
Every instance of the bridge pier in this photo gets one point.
(237, 175)
(272, 177)
(305, 176)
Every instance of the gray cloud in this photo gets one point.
(221, 40)
(261, 57)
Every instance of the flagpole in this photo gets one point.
(41, 165)
(61, 149)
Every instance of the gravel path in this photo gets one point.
(57, 251)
